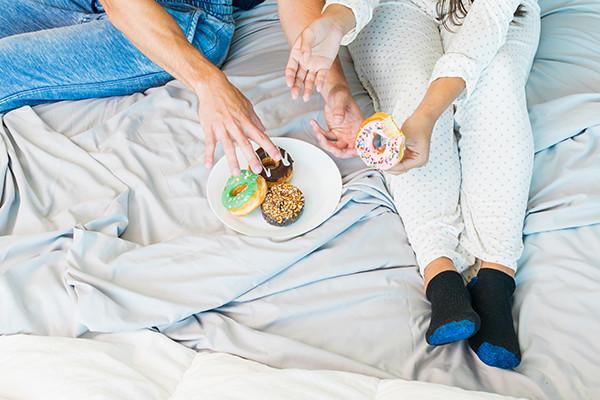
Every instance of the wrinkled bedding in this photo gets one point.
(106, 228)
(146, 365)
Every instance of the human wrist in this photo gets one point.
(335, 78)
(424, 119)
(426, 114)
(340, 17)
(204, 73)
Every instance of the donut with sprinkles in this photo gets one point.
(390, 149)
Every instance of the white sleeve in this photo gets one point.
(478, 40)
(363, 12)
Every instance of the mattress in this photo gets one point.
(106, 228)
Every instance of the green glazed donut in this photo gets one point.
(239, 189)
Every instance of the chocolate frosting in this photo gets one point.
(279, 170)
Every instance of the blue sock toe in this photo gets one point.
(452, 332)
(497, 356)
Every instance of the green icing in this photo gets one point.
(247, 178)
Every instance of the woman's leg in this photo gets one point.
(394, 57)
(94, 59)
(496, 151)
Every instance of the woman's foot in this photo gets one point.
(496, 343)
(452, 316)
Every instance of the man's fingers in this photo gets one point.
(263, 140)
(256, 121)
(237, 133)
(209, 147)
(309, 84)
(229, 150)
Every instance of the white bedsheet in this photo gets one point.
(344, 307)
(146, 365)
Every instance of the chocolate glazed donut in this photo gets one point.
(276, 172)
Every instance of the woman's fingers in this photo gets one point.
(299, 82)
(407, 163)
(320, 80)
(336, 148)
(309, 84)
(320, 131)
(291, 68)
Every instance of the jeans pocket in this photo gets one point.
(209, 34)
(187, 18)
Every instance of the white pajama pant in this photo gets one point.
(468, 202)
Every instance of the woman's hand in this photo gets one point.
(343, 117)
(315, 50)
(227, 116)
(417, 130)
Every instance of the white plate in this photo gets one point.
(314, 173)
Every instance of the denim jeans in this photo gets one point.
(54, 50)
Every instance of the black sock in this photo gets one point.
(452, 316)
(496, 343)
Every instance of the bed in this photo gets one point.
(109, 253)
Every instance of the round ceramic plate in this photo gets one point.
(315, 174)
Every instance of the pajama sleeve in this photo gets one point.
(477, 41)
(363, 12)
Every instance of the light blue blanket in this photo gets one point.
(564, 101)
(105, 227)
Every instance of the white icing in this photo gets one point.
(285, 160)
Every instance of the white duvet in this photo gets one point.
(147, 365)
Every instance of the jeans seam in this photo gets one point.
(114, 82)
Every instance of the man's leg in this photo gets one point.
(22, 16)
(93, 59)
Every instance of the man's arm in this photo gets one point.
(225, 114)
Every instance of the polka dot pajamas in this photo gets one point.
(469, 200)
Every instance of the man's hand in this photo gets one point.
(343, 117)
(228, 117)
(315, 50)
(417, 129)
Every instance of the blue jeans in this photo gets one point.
(54, 50)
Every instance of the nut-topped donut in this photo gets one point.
(390, 149)
(283, 205)
(276, 172)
